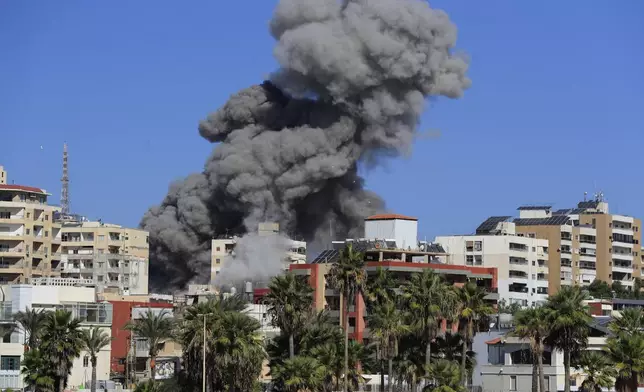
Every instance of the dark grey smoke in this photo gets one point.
(351, 86)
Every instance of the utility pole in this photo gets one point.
(203, 368)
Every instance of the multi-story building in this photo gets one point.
(29, 236)
(112, 256)
(62, 294)
(585, 243)
(521, 262)
(387, 253)
(223, 249)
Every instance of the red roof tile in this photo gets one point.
(494, 341)
(391, 217)
(11, 187)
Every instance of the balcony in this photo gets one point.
(542, 277)
(16, 251)
(11, 235)
(11, 268)
(624, 268)
(11, 379)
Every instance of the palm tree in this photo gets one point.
(386, 327)
(301, 374)
(94, 341)
(570, 320)
(472, 308)
(239, 350)
(330, 357)
(445, 376)
(349, 277)
(31, 321)
(156, 328)
(190, 333)
(289, 301)
(626, 349)
(450, 346)
(534, 325)
(36, 372)
(429, 300)
(61, 343)
(598, 369)
(380, 289)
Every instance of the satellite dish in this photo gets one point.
(422, 247)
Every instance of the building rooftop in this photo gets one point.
(362, 245)
(391, 217)
(491, 224)
(534, 208)
(556, 220)
(22, 188)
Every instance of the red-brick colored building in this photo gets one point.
(122, 314)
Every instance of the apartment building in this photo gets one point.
(58, 293)
(222, 249)
(521, 262)
(29, 235)
(387, 253)
(585, 243)
(113, 257)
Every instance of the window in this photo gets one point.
(532, 235)
(10, 362)
(218, 261)
(46, 233)
(28, 214)
(469, 259)
(46, 217)
(27, 231)
(101, 238)
(478, 260)
(85, 361)
(513, 383)
(478, 246)
(218, 248)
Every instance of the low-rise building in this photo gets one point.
(521, 262)
(384, 253)
(80, 301)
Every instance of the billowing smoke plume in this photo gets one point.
(351, 86)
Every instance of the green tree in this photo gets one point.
(349, 277)
(533, 324)
(569, 324)
(450, 347)
(301, 374)
(31, 322)
(238, 350)
(429, 301)
(472, 309)
(600, 289)
(94, 340)
(190, 333)
(156, 328)
(36, 372)
(61, 342)
(598, 369)
(381, 290)
(386, 327)
(444, 376)
(625, 348)
(289, 301)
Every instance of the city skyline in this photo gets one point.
(145, 127)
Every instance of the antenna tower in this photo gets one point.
(64, 195)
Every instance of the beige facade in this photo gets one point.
(115, 258)
(586, 243)
(3, 176)
(29, 236)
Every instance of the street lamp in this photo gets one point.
(203, 370)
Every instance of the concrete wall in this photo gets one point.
(404, 232)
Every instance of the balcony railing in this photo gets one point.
(11, 379)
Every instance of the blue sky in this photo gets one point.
(555, 108)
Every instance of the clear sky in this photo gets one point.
(555, 108)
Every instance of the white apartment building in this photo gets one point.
(115, 258)
(78, 300)
(521, 262)
(224, 246)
